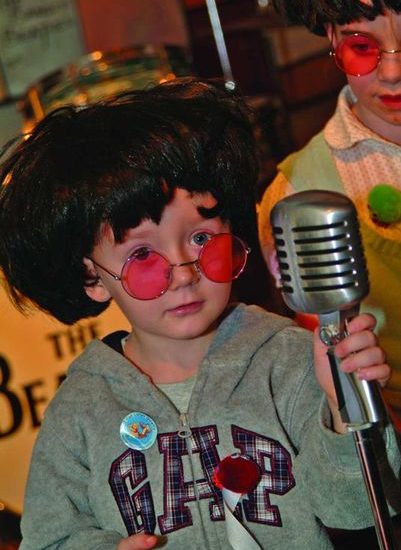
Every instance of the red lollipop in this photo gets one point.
(237, 473)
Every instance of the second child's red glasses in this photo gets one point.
(359, 54)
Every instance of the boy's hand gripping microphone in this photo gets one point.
(323, 271)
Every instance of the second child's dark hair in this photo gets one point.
(117, 162)
(314, 14)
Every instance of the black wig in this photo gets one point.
(117, 162)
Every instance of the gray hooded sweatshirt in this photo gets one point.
(255, 394)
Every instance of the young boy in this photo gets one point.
(148, 200)
(358, 149)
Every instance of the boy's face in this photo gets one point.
(379, 92)
(192, 303)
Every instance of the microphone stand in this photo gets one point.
(220, 42)
(362, 409)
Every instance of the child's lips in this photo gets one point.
(185, 309)
(391, 100)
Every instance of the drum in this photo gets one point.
(99, 75)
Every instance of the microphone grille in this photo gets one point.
(319, 250)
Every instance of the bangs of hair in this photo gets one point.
(197, 157)
(316, 13)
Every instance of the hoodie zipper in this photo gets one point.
(185, 432)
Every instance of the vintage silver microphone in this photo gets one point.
(323, 271)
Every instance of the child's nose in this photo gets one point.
(183, 274)
(389, 68)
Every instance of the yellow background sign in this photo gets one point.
(35, 353)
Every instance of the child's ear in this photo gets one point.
(96, 290)
(331, 34)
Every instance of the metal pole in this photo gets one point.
(358, 416)
(220, 43)
(378, 503)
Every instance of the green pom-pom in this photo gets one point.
(385, 203)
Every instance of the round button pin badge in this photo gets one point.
(138, 431)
